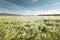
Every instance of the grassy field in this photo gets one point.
(29, 27)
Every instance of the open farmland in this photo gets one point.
(29, 27)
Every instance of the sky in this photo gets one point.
(30, 7)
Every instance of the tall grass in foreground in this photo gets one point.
(29, 28)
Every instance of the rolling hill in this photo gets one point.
(8, 14)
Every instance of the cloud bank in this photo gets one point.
(15, 9)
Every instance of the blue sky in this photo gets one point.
(30, 7)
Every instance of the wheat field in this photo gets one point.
(29, 27)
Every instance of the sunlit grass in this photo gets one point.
(29, 27)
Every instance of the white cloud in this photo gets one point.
(29, 12)
(6, 3)
(47, 6)
(30, 1)
(23, 11)
(33, 0)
